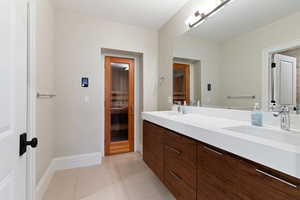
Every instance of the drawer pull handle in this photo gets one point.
(175, 175)
(174, 150)
(276, 178)
(212, 150)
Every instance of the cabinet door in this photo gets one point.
(146, 142)
(153, 148)
(259, 183)
(217, 174)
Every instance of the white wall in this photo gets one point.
(78, 40)
(45, 84)
(208, 52)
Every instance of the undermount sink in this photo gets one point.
(292, 137)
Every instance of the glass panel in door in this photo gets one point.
(119, 101)
(179, 85)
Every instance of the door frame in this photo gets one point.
(31, 100)
(107, 102)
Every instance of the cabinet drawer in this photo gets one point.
(179, 189)
(217, 174)
(184, 171)
(260, 183)
(181, 147)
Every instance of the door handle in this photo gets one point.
(24, 143)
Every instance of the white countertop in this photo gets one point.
(269, 146)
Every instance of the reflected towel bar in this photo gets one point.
(241, 97)
(45, 96)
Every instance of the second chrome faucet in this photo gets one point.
(284, 114)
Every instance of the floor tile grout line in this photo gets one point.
(76, 185)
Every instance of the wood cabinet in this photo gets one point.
(261, 183)
(181, 147)
(193, 170)
(217, 174)
(153, 147)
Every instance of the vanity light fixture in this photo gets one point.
(200, 17)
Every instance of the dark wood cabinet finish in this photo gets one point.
(217, 174)
(153, 147)
(181, 147)
(261, 183)
(193, 170)
(186, 172)
(180, 165)
(179, 189)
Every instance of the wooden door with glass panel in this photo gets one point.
(181, 83)
(119, 105)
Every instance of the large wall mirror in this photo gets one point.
(239, 57)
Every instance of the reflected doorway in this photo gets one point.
(181, 83)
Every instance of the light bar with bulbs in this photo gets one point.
(199, 17)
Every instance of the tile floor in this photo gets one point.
(120, 177)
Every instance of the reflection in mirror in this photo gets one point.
(246, 57)
(285, 82)
(186, 81)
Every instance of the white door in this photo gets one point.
(286, 83)
(13, 97)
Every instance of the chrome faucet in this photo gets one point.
(180, 108)
(284, 114)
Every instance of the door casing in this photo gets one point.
(31, 95)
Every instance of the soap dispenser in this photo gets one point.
(257, 116)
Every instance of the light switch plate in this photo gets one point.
(86, 99)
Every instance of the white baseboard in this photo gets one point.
(62, 163)
(45, 181)
(83, 160)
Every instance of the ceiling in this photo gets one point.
(242, 16)
(145, 13)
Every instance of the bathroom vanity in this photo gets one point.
(205, 158)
